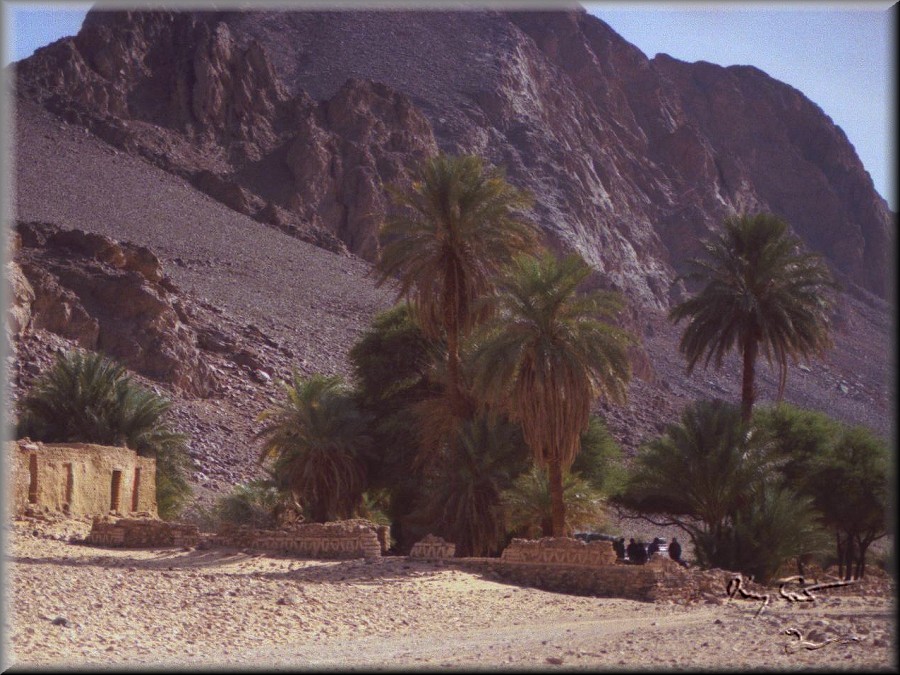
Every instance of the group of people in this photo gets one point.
(638, 553)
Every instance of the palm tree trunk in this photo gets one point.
(454, 394)
(748, 395)
(557, 504)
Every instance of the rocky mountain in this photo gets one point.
(240, 160)
(305, 116)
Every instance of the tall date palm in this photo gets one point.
(761, 294)
(547, 356)
(458, 224)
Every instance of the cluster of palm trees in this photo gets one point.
(753, 491)
(463, 255)
(495, 345)
(519, 344)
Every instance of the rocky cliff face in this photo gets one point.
(106, 297)
(180, 90)
(300, 118)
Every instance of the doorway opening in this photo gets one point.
(32, 479)
(116, 489)
(135, 491)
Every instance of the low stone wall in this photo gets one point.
(432, 548)
(578, 568)
(559, 551)
(340, 540)
(141, 533)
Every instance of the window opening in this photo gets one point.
(70, 481)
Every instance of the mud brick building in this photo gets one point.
(80, 479)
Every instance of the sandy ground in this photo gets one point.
(75, 605)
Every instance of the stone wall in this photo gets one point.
(559, 551)
(140, 533)
(80, 479)
(574, 567)
(432, 548)
(660, 580)
(341, 539)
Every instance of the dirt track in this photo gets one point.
(74, 605)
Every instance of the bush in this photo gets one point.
(527, 505)
(817, 454)
(253, 504)
(462, 499)
(600, 459)
(318, 441)
(717, 481)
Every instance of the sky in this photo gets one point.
(839, 54)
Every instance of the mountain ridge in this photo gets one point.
(558, 95)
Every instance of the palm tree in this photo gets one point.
(87, 398)
(462, 500)
(761, 293)
(529, 509)
(318, 440)
(458, 225)
(698, 473)
(546, 357)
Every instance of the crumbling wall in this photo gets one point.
(143, 532)
(80, 479)
(432, 547)
(575, 567)
(559, 551)
(340, 539)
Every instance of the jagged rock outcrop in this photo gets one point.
(181, 91)
(632, 159)
(107, 297)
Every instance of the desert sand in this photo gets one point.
(76, 605)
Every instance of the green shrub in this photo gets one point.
(253, 504)
(527, 505)
(318, 439)
(719, 482)
(600, 459)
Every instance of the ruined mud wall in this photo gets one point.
(340, 540)
(431, 547)
(80, 479)
(141, 533)
(570, 566)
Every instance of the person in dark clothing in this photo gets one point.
(653, 548)
(675, 552)
(641, 551)
(619, 548)
(631, 550)
(637, 552)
